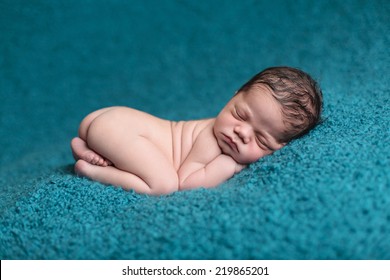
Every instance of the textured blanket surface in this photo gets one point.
(324, 196)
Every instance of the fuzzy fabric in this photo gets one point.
(324, 196)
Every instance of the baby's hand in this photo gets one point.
(239, 167)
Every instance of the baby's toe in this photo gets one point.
(101, 162)
(92, 159)
(88, 158)
(97, 161)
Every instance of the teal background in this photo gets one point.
(325, 196)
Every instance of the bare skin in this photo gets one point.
(135, 150)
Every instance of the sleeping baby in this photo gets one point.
(125, 147)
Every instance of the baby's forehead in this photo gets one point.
(262, 102)
(258, 88)
(260, 93)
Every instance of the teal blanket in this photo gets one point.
(325, 196)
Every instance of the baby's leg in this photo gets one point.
(134, 157)
(111, 175)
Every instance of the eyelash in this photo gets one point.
(262, 143)
(239, 116)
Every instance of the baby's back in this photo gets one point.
(184, 134)
(173, 139)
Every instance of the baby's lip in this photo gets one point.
(230, 142)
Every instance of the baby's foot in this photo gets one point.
(82, 151)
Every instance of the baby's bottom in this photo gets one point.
(90, 163)
(79, 145)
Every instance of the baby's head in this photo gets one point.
(274, 107)
(298, 94)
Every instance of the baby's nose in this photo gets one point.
(243, 133)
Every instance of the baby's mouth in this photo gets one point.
(228, 140)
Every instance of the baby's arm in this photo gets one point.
(206, 166)
(211, 174)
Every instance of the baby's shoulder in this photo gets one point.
(204, 126)
(191, 129)
(201, 128)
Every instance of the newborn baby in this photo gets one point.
(134, 150)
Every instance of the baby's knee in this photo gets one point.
(81, 168)
(166, 185)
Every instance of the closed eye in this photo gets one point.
(239, 115)
(262, 144)
(235, 115)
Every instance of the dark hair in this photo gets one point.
(299, 95)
